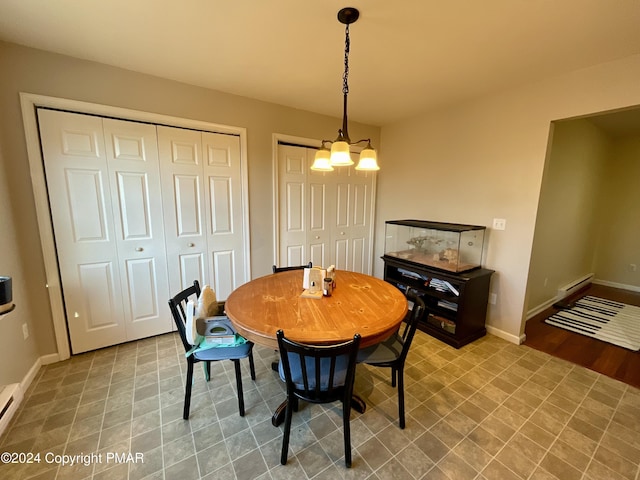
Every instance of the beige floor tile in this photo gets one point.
(471, 413)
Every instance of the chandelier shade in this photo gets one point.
(322, 161)
(368, 159)
(340, 153)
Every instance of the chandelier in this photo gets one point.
(339, 154)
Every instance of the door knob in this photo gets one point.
(139, 249)
(317, 237)
(191, 244)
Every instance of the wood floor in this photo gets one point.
(605, 358)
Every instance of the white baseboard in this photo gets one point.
(622, 286)
(16, 391)
(536, 310)
(31, 374)
(505, 336)
(33, 371)
(49, 359)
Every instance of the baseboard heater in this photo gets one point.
(10, 398)
(574, 286)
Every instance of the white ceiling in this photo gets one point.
(407, 56)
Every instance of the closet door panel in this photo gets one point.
(358, 251)
(221, 204)
(295, 255)
(188, 207)
(100, 291)
(224, 273)
(85, 195)
(292, 204)
(225, 226)
(142, 279)
(351, 229)
(359, 223)
(184, 206)
(132, 157)
(318, 233)
(192, 266)
(341, 249)
(80, 199)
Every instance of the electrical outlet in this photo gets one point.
(493, 298)
(499, 224)
(546, 281)
(632, 267)
(25, 330)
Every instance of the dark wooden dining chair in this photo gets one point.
(393, 351)
(177, 305)
(318, 374)
(296, 267)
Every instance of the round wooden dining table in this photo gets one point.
(359, 304)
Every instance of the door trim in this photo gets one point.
(311, 143)
(29, 103)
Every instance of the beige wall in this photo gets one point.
(568, 218)
(484, 159)
(619, 239)
(16, 354)
(38, 72)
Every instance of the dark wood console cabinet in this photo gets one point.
(457, 302)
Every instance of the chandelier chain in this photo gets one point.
(345, 76)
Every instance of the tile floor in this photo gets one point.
(491, 410)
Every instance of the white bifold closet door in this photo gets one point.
(103, 181)
(202, 197)
(323, 217)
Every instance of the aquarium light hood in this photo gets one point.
(340, 155)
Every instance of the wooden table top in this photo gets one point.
(360, 304)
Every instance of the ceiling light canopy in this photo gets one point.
(339, 153)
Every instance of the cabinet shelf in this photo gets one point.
(457, 303)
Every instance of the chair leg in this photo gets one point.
(400, 375)
(239, 386)
(346, 427)
(187, 393)
(252, 366)
(394, 374)
(287, 430)
(207, 370)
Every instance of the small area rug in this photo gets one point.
(605, 320)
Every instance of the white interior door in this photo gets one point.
(292, 205)
(351, 228)
(202, 197)
(225, 230)
(103, 180)
(79, 195)
(320, 206)
(184, 206)
(134, 172)
(324, 217)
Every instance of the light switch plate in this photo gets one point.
(499, 224)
